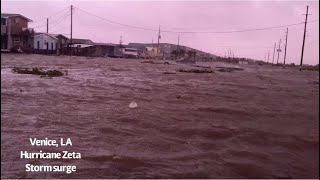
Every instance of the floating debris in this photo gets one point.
(208, 67)
(38, 71)
(168, 73)
(196, 71)
(133, 105)
(229, 69)
(152, 62)
(224, 70)
(115, 157)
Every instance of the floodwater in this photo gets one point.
(262, 122)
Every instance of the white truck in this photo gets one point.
(130, 53)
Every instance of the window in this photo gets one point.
(16, 39)
(3, 21)
(51, 46)
(17, 20)
(38, 45)
(130, 50)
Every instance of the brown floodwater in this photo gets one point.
(262, 122)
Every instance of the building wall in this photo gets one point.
(3, 29)
(12, 28)
(62, 42)
(16, 24)
(43, 39)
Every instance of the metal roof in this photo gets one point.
(39, 34)
(82, 41)
(6, 15)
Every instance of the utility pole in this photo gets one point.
(47, 25)
(120, 42)
(274, 51)
(158, 42)
(71, 32)
(178, 50)
(9, 45)
(278, 51)
(304, 38)
(285, 50)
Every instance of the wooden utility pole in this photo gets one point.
(274, 51)
(178, 50)
(268, 56)
(304, 37)
(120, 42)
(158, 42)
(9, 45)
(47, 25)
(285, 50)
(279, 51)
(71, 32)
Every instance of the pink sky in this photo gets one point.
(189, 15)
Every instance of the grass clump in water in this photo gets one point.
(38, 71)
(196, 71)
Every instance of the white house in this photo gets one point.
(45, 41)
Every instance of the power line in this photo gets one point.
(49, 16)
(62, 18)
(52, 24)
(60, 29)
(245, 47)
(199, 32)
(40, 26)
(58, 12)
(116, 22)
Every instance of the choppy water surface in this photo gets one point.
(258, 123)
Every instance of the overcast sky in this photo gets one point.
(209, 16)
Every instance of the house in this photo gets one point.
(63, 42)
(78, 45)
(15, 32)
(45, 43)
(81, 43)
(103, 50)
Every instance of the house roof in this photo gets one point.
(106, 44)
(81, 45)
(56, 35)
(6, 15)
(39, 34)
(50, 34)
(82, 41)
